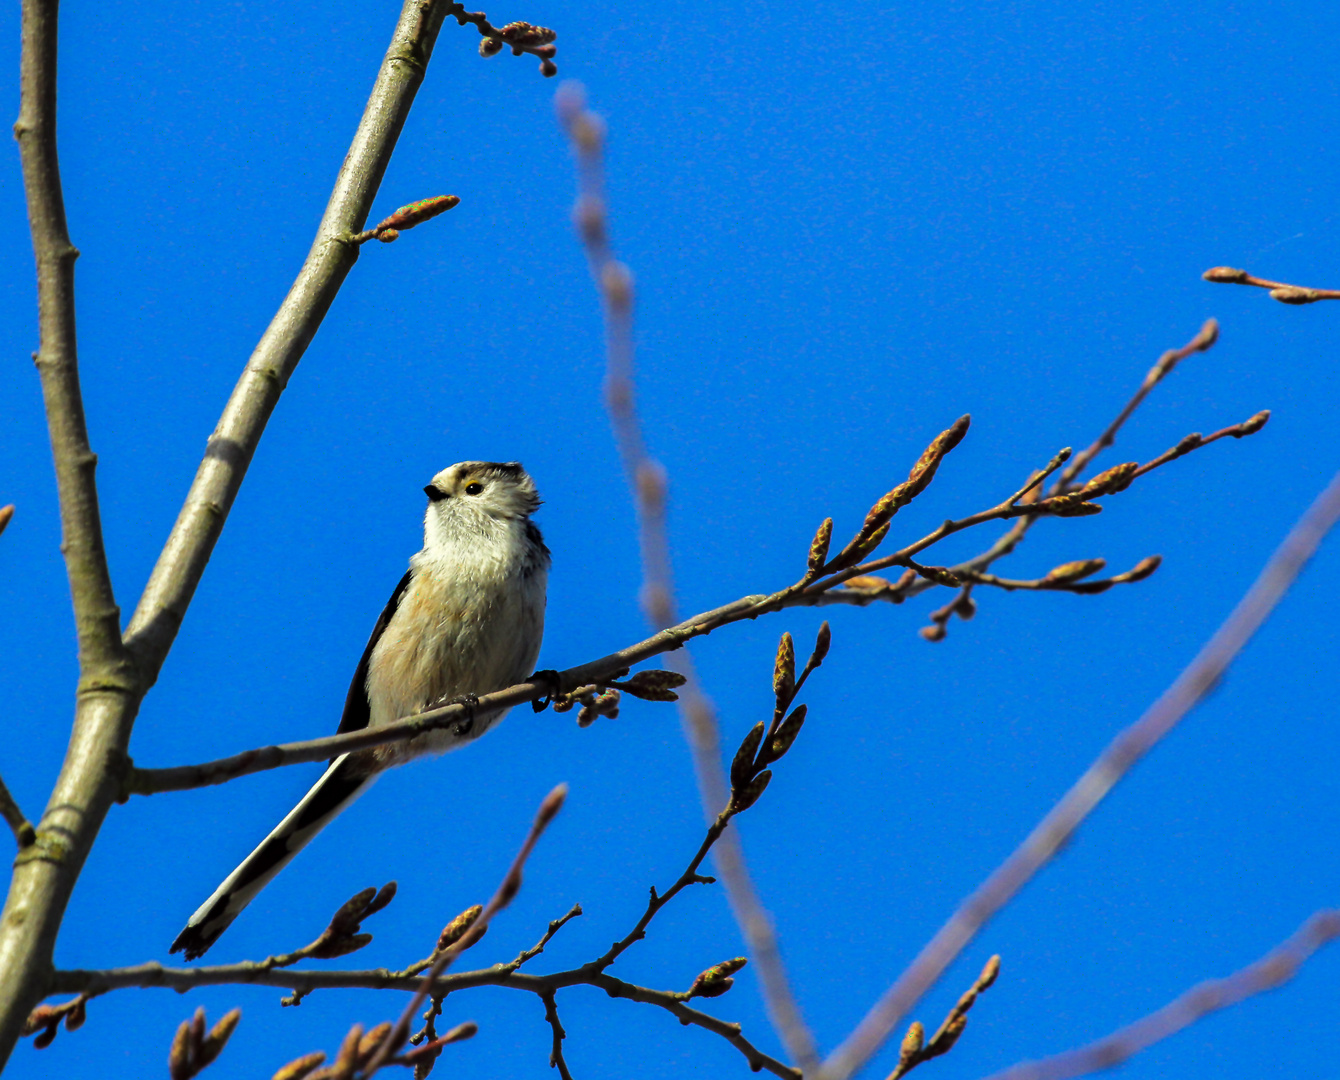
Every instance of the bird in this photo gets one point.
(465, 620)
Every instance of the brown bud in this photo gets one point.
(786, 733)
(1253, 424)
(179, 1055)
(370, 1043)
(742, 766)
(387, 236)
(347, 1058)
(822, 641)
(1074, 571)
(965, 607)
(868, 583)
(989, 973)
(716, 980)
(218, 1038)
(913, 1041)
(941, 575)
(1070, 506)
(7, 513)
(743, 800)
(654, 685)
(461, 1032)
(490, 46)
(416, 213)
(46, 1037)
(949, 1034)
(40, 1017)
(74, 1019)
(341, 946)
(452, 932)
(934, 632)
(923, 472)
(1143, 568)
(818, 546)
(1225, 275)
(784, 671)
(384, 896)
(1292, 294)
(300, 1067)
(1117, 478)
(1189, 442)
(553, 803)
(350, 913)
(548, 68)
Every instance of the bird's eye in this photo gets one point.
(474, 489)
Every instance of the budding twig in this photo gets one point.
(1279, 290)
(1112, 765)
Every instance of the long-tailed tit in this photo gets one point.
(465, 620)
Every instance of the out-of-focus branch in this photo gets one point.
(1200, 676)
(1274, 969)
(1279, 290)
(647, 479)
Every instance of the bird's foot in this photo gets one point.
(463, 727)
(555, 683)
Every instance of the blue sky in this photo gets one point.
(848, 227)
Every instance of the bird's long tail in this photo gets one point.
(341, 783)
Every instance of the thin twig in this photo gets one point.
(595, 673)
(1200, 676)
(24, 834)
(1279, 290)
(1273, 970)
(1204, 339)
(647, 479)
(556, 1059)
(506, 892)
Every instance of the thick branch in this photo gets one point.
(46, 869)
(110, 686)
(1112, 765)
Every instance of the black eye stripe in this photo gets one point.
(434, 493)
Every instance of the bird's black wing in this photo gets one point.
(356, 705)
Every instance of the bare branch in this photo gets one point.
(855, 586)
(1200, 676)
(114, 676)
(24, 834)
(506, 892)
(1274, 969)
(647, 479)
(556, 1059)
(1204, 339)
(1279, 290)
(109, 686)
